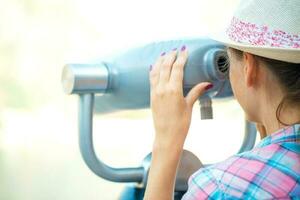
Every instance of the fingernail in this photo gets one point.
(183, 48)
(164, 53)
(150, 67)
(209, 86)
(175, 49)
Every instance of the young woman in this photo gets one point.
(263, 42)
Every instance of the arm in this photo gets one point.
(161, 179)
(171, 113)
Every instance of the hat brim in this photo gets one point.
(291, 55)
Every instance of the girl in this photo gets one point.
(263, 42)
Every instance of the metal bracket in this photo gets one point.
(86, 107)
(138, 174)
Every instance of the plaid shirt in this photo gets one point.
(269, 171)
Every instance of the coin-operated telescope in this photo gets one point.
(121, 82)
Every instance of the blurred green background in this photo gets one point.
(39, 154)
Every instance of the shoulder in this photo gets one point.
(261, 172)
(203, 184)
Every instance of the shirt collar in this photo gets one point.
(286, 134)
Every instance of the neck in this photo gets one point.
(269, 100)
(288, 115)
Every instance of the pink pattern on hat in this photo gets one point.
(249, 33)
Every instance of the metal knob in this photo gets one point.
(85, 78)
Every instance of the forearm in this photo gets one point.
(162, 174)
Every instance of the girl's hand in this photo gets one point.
(172, 111)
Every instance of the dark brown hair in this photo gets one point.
(288, 75)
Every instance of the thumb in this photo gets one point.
(197, 91)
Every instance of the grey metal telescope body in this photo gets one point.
(122, 83)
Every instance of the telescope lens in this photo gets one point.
(223, 64)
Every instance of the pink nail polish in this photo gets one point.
(164, 53)
(183, 48)
(209, 86)
(175, 49)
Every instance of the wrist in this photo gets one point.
(167, 149)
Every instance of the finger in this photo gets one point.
(196, 92)
(155, 70)
(178, 67)
(166, 66)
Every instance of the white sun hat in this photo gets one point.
(268, 28)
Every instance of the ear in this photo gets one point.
(250, 69)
